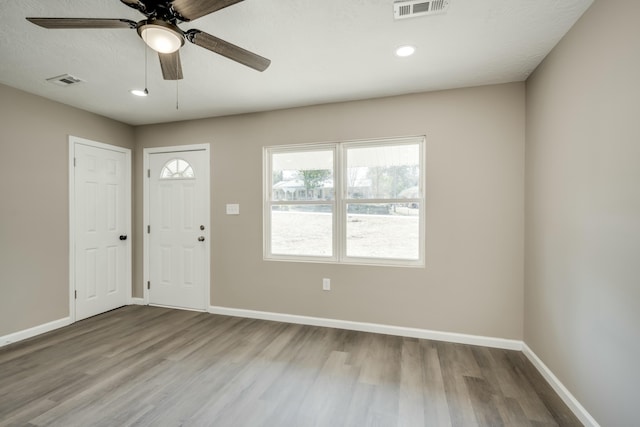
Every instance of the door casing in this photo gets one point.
(207, 215)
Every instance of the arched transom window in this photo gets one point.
(177, 169)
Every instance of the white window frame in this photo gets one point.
(340, 201)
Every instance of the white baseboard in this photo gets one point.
(199, 310)
(579, 411)
(371, 327)
(32, 332)
(573, 404)
(566, 396)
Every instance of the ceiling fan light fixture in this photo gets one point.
(161, 36)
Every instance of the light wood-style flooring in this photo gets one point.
(151, 366)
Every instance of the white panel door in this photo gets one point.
(178, 229)
(101, 224)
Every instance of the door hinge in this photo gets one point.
(148, 229)
(74, 162)
(148, 285)
(148, 173)
(75, 294)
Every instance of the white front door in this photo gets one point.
(178, 229)
(101, 209)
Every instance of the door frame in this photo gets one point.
(146, 215)
(73, 141)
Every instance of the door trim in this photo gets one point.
(145, 215)
(73, 141)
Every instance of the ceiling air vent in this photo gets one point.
(414, 8)
(64, 80)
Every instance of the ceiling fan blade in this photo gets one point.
(135, 4)
(228, 50)
(171, 66)
(80, 23)
(193, 9)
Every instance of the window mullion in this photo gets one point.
(339, 229)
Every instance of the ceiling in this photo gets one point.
(321, 51)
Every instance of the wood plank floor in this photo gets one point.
(150, 366)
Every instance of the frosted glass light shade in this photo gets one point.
(161, 39)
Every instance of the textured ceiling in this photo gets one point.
(321, 51)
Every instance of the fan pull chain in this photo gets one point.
(177, 85)
(146, 91)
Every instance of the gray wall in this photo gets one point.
(472, 282)
(582, 281)
(34, 203)
(581, 302)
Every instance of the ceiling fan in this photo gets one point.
(161, 33)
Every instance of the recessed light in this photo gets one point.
(139, 92)
(407, 50)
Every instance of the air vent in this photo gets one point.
(64, 80)
(414, 8)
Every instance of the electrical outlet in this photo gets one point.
(326, 284)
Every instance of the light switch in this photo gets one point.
(233, 209)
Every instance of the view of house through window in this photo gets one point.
(302, 189)
(357, 202)
(383, 201)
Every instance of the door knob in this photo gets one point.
(201, 239)
(123, 237)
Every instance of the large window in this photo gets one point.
(353, 202)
